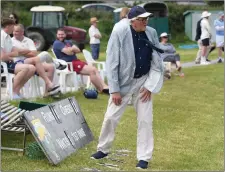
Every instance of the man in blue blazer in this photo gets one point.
(134, 70)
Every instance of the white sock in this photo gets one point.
(219, 58)
(203, 59)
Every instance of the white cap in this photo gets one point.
(205, 14)
(163, 34)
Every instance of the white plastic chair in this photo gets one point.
(99, 64)
(68, 78)
(9, 80)
(30, 90)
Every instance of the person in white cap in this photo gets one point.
(206, 35)
(170, 54)
(134, 69)
(219, 26)
(199, 42)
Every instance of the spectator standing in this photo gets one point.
(135, 70)
(206, 35)
(123, 15)
(219, 26)
(15, 18)
(95, 37)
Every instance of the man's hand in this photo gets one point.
(97, 36)
(116, 98)
(146, 95)
(75, 49)
(6, 57)
(23, 51)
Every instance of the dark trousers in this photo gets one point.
(172, 58)
(95, 50)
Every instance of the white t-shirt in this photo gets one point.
(6, 42)
(26, 43)
(92, 31)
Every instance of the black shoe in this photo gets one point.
(142, 164)
(98, 155)
(106, 91)
(219, 61)
(208, 60)
(61, 67)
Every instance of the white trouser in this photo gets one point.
(199, 53)
(46, 57)
(144, 117)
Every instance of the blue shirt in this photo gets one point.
(143, 53)
(58, 46)
(219, 23)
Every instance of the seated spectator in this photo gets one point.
(15, 18)
(170, 54)
(23, 72)
(28, 55)
(65, 50)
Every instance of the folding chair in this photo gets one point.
(12, 121)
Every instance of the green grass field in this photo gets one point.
(188, 127)
(186, 55)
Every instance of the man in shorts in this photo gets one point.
(205, 36)
(23, 72)
(219, 26)
(28, 55)
(65, 50)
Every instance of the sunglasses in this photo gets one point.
(143, 19)
(165, 37)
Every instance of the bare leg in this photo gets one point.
(220, 52)
(94, 76)
(23, 72)
(204, 51)
(49, 69)
(40, 70)
(178, 64)
(198, 56)
(208, 50)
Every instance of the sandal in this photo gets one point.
(54, 90)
